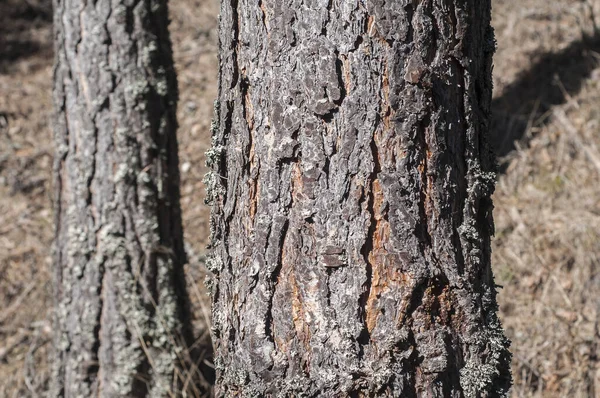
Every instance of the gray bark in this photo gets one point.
(351, 202)
(118, 260)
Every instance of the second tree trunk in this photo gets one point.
(121, 308)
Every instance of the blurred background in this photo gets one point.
(545, 130)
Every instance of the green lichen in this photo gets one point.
(492, 378)
(161, 85)
(214, 155)
(139, 88)
(214, 189)
(148, 52)
(214, 264)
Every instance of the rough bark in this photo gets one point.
(351, 202)
(118, 261)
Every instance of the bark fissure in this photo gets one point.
(275, 275)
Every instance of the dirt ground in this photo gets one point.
(547, 245)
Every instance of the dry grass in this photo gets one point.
(547, 249)
(25, 215)
(547, 246)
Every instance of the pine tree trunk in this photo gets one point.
(118, 261)
(351, 201)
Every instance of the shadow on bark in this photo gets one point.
(552, 80)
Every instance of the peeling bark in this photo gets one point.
(118, 257)
(351, 190)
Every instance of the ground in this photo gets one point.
(546, 130)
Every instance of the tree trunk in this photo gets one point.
(351, 201)
(118, 261)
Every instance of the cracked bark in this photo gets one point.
(351, 190)
(121, 304)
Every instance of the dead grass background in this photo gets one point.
(547, 245)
